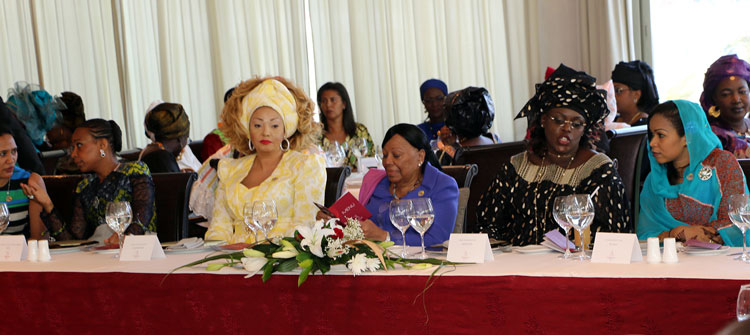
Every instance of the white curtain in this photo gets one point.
(17, 52)
(383, 50)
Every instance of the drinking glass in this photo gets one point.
(739, 214)
(265, 216)
(4, 217)
(434, 146)
(743, 303)
(379, 154)
(580, 214)
(118, 218)
(398, 211)
(559, 209)
(336, 154)
(421, 217)
(247, 216)
(360, 148)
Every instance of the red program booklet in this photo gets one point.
(348, 207)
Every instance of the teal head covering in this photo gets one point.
(654, 217)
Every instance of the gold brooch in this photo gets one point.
(421, 193)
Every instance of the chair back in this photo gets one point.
(130, 155)
(61, 190)
(195, 147)
(463, 201)
(628, 146)
(335, 179)
(172, 193)
(488, 159)
(49, 160)
(745, 165)
(463, 174)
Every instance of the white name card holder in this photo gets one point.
(616, 248)
(366, 163)
(13, 248)
(469, 248)
(141, 248)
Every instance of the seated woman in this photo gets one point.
(412, 172)
(565, 116)
(470, 113)
(28, 159)
(685, 195)
(95, 144)
(60, 135)
(433, 92)
(725, 99)
(635, 90)
(24, 215)
(271, 122)
(337, 116)
(168, 127)
(215, 140)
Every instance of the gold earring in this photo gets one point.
(714, 112)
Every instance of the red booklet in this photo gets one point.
(348, 207)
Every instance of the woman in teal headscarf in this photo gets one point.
(685, 195)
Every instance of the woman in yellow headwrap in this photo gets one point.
(168, 127)
(270, 121)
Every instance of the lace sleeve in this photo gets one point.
(59, 229)
(142, 205)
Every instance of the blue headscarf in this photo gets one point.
(654, 217)
(433, 83)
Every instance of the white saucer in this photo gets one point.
(533, 249)
(58, 251)
(706, 252)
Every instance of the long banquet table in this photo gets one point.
(514, 294)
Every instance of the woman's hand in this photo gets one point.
(322, 216)
(700, 233)
(372, 231)
(36, 192)
(114, 239)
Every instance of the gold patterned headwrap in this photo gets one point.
(271, 93)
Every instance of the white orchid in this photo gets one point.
(357, 264)
(253, 264)
(312, 237)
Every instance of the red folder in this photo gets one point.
(348, 207)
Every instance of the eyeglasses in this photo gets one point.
(433, 100)
(573, 124)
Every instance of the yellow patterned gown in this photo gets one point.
(297, 182)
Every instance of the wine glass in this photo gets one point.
(743, 303)
(247, 216)
(336, 154)
(434, 146)
(559, 209)
(379, 154)
(580, 214)
(4, 217)
(739, 214)
(265, 215)
(421, 217)
(398, 211)
(360, 148)
(118, 218)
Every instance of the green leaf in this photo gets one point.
(322, 265)
(287, 265)
(268, 270)
(303, 276)
(302, 256)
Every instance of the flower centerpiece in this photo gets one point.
(314, 249)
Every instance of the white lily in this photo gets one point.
(285, 254)
(253, 253)
(253, 264)
(312, 237)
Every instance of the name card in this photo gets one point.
(13, 248)
(469, 248)
(141, 248)
(616, 248)
(366, 163)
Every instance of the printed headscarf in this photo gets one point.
(271, 93)
(35, 108)
(725, 66)
(167, 121)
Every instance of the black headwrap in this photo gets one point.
(470, 112)
(572, 89)
(638, 76)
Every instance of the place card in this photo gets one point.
(469, 248)
(13, 248)
(366, 163)
(141, 248)
(616, 248)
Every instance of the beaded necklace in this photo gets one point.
(413, 187)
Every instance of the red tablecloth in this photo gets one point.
(99, 303)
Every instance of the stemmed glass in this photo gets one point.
(247, 216)
(379, 154)
(360, 148)
(580, 214)
(398, 211)
(336, 154)
(118, 218)
(743, 303)
(559, 209)
(739, 214)
(4, 217)
(265, 215)
(421, 217)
